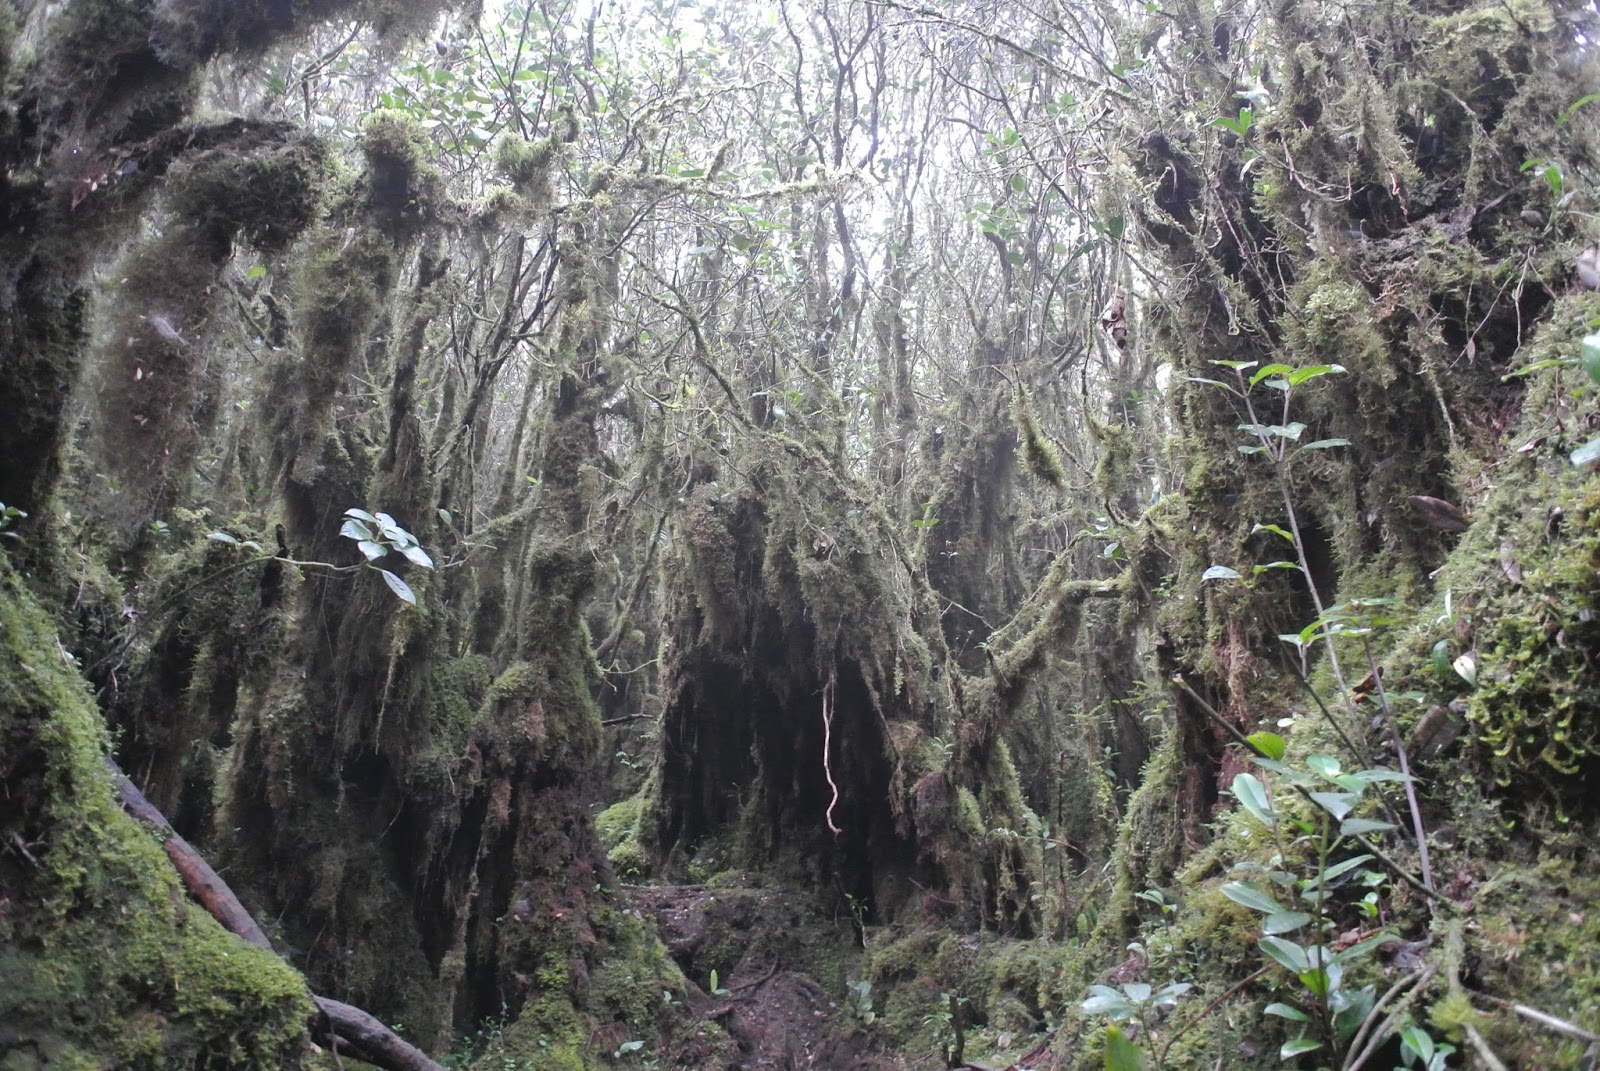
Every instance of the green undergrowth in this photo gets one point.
(619, 826)
(94, 919)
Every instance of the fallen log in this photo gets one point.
(351, 1029)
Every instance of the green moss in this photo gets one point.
(619, 826)
(403, 188)
(1148, 843)
(269, 195)
(968, 815)
(527, 165)
(1537, 939)
(101, 925)
(1038, 452)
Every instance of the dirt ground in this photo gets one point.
(780, 974)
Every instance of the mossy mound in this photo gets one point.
(103, 961)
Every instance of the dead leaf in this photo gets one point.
(1437, 513)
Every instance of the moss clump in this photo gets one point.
(103, 962)
(527, 165)
(188, 32)
(619, 826)
(1038, 452)
(268, 196)
(403, 189)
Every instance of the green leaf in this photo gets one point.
(1252, 796)
(1284, 922)
(1441, 658)
(1106, 1001)
(1566, 113)
(1287, 953)
(417, 556)
(354, 529)
(1298, 1046)
(1361, 948)
(1258, 570)
(1338, 870)
(1237, 366)
(1466, 668)
(1275, 530)
(399, 587)
(1419, 1040)
(1170, 993)
(1287, 1011)
(1252, 896)
(1589, 354)
(1337, 804)
(1326, 765)
(1587, 454)
(1270, 370)
(372, 550)
(1240, 125)
(223, 537)
(1376, 775)
(361, 514)
(1212, 382)
(1356, 827)
(1271, 745)
(1317, 981)
(1325, 444)
(1121, 1055)
(256, 271)
(1220, 572)
(1301, 375)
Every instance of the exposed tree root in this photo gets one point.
(352, 1030)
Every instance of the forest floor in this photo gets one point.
(777, 961)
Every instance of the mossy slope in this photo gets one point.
(103, 960)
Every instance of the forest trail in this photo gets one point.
(771, 950)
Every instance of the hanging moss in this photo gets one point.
(1038, 452)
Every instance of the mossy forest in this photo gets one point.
(858, 535)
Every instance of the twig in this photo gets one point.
(1417, 977)
(763, 980)
(1207, 1010)
(1544, 1019)
(1455, 950)
(1405, 765)
(22, 847)
(1382, 1033)
(827, 745)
